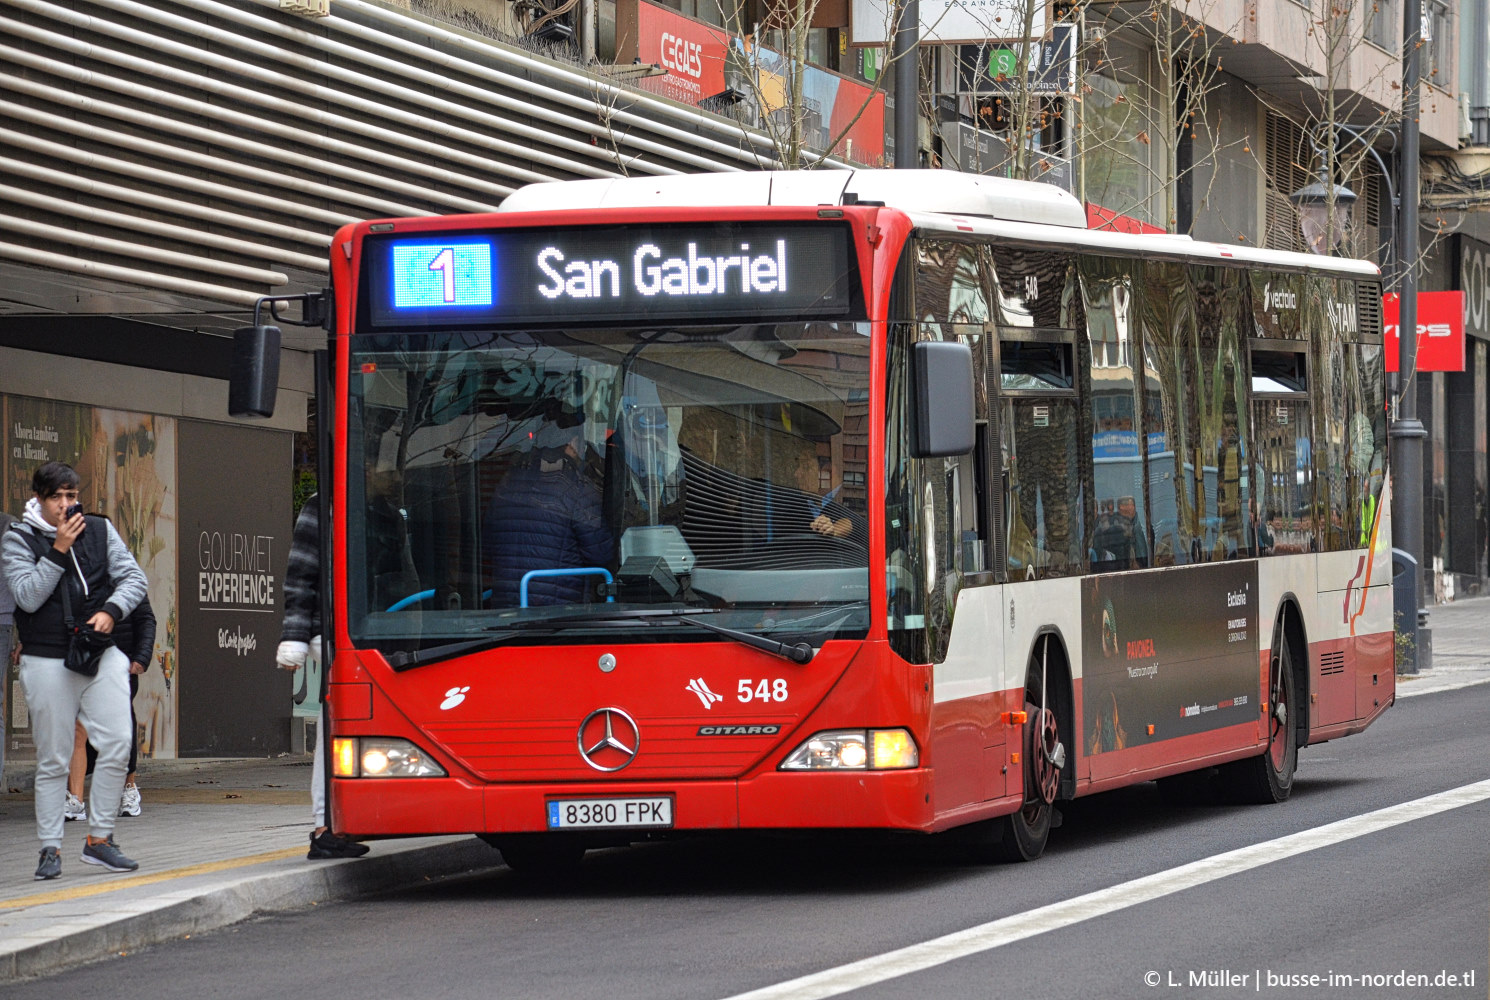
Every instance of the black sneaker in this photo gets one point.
(107, 855)
(329, 845)
(50, 865)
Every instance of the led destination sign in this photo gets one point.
(701, 272)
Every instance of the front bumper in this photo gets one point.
(890, 800)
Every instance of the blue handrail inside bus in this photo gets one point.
(522, 587)
(423, 595)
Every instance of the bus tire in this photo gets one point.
(1268, 777)
(1023, 833)
(538, 854)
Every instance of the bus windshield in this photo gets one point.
(500, 479)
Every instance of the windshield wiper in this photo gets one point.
(402, 660)
(799, 652)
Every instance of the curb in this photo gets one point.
(143, 922)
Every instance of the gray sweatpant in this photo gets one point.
(57, 698)
(7, 636)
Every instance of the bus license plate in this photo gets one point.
(593, 814)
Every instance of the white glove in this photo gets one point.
(292, 654)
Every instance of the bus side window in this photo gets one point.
(937, 508)
(1167, 312)
(1042, 489)
(1120, 539)
(1282, 466)
(1367, 434)
(1046, 478)
(1221, 401)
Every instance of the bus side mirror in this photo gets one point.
(253, 378)
(942, 379)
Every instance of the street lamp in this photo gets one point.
(1313, 202)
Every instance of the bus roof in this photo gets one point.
(1157, 245)
(935, 191)
(936, 200)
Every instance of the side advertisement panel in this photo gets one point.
(1168, 653)
(235, 532)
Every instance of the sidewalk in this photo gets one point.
(220, 840)
(1461, 648)
(217, 841)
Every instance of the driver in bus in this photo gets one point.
(544, 515)
(784, 516)
(809, 508)
(829, 517)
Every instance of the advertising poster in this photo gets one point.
(696, 58)
(131, 464)
(692, 53)
(832, 105)
(127, 466)
(235, 541)
(1173, 650)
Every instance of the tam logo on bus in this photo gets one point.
(678, 271)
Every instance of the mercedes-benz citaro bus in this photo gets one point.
(825, 500)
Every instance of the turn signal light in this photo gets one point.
(855, 750)
(381, 757)
(1016, 718)
(892, 748)
(344, 757)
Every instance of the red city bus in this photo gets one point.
(889, 500)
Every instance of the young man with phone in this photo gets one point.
(63, 568)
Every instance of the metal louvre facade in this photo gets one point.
(181, 158)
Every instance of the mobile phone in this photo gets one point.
(72, 509)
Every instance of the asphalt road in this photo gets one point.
(1130, 893)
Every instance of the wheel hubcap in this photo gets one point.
(1046, 755)
(1277, 737)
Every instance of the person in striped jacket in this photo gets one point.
(301, 625)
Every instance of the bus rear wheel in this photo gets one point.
(1268, 777)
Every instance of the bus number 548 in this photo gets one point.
(762, 690)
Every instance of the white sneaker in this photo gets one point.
(74, 808)
(130, 804)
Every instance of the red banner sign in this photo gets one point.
(1440, 331)
(692, 53)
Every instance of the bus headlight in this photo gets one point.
(855, 750)
(381, 757)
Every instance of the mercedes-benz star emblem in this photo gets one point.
(609, 739)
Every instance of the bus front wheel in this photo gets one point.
(1023, 834)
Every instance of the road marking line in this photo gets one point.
(1007, 930)
(115, 885)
